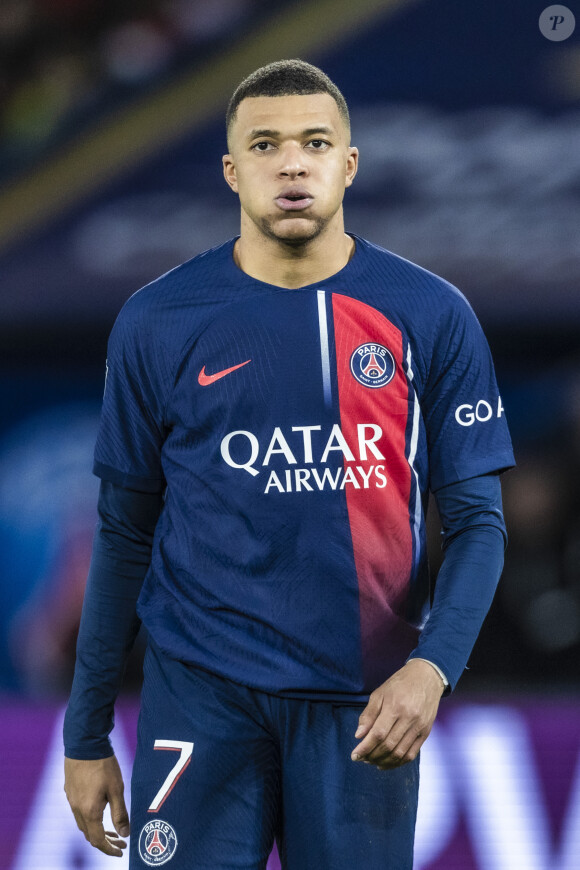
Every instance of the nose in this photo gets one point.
(292, 162)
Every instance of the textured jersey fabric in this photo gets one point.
(296, 434)
(109, 624)
(474, 539)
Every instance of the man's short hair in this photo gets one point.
(285, 78)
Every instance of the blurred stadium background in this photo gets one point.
(111, 133)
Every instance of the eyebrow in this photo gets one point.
(274, 134)
(256, 134)
(312, 131)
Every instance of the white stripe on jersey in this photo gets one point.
(412, 456)
(324, 351)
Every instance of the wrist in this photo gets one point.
(436, 669)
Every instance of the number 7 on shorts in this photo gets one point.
(185, 749)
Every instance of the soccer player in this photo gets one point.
(276, 412)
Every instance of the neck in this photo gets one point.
(293, 265)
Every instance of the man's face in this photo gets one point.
(290, 163)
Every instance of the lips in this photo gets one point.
(294, 199)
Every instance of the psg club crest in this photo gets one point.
(157, 843)
(373, 365)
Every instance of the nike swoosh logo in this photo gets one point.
(206, 380)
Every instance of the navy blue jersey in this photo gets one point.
(296, 433)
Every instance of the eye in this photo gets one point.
(262, 146)
(318, 145)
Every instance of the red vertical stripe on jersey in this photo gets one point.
(378, 515)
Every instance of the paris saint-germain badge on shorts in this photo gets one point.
(373, 365)
(157, 843)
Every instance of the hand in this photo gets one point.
(89, 787)
(399, 716)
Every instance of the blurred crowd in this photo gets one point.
(63, 62)
(534, 629)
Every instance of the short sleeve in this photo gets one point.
(131, 430)
(467, 432)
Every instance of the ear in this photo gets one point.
(230, 172)
(351, 165)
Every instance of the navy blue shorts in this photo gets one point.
(223, 771)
